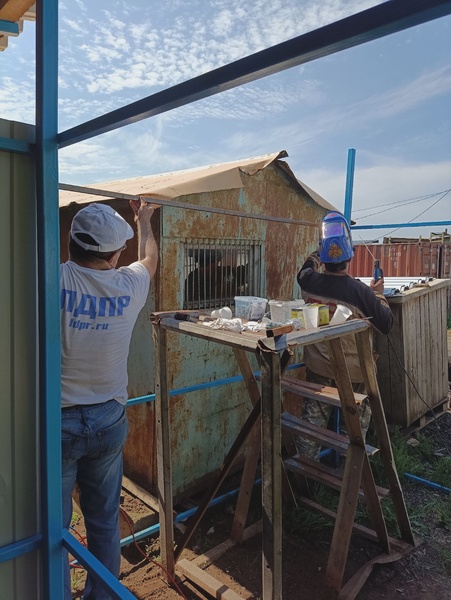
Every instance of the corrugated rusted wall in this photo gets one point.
(206, 422)
(413, 259)
(417, 259)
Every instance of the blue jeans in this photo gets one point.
(92, 441)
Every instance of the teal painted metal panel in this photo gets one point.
(19, 465)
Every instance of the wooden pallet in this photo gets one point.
(427, 418)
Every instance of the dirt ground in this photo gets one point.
(421, 574)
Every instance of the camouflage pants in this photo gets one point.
(319, 413)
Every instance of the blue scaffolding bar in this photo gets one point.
(349, 185)
(47, 210)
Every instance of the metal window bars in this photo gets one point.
(217, 270)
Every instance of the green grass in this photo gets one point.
(306, 522)
(444, 512)
(441, 471)
(445, 557)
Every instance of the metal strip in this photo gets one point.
(185, 205)
(12, 551)
(9, 27)
(96, 569)
(16, 146)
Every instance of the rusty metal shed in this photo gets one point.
(257, 190)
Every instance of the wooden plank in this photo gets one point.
(135, 490)
(355, 583)
(395, 544)
(343, 382)
(383, 437)
(305, 337)
(345, 517)
(420, 290)
(322, 473)
(352, 420)
(163, 444)
(325, 437)
(316, 391)
(229, 338)
(204, 560)
(253, 450)
(246, 484)
(280, 330)
(271, 467)
(212, 586)
(374, 506)
(249, 378)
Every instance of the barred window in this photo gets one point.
(218, 270)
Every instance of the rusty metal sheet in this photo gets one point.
(204, 423)
(417, 259)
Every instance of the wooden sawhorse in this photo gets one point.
(264, 423)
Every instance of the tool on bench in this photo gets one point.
(184, 316)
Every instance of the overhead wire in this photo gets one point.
(421, 213)
(408, 201)
(395, 205)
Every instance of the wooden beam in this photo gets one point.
(208, 583)
(164, 461)
(345, 517)
(271, 475)
(383, 436)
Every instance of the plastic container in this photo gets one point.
(323, 314)
(222, 313)
(251, 308)
(310, 316)
(341, 314)
(281, 309)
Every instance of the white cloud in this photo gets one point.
(10, 91)
(415, 92)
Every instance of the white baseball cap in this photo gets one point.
(104, 225)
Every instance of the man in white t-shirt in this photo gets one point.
(99, 307)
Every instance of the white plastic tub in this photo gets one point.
(281, 309)
(251, 308)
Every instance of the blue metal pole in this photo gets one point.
(400, 225)
(349, 185)
(96, 569)
(199, 386)
(48, 292)
(431, 484)
(154, 529)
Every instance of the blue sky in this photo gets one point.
(389, 99)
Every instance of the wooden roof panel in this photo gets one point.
(15, 11)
